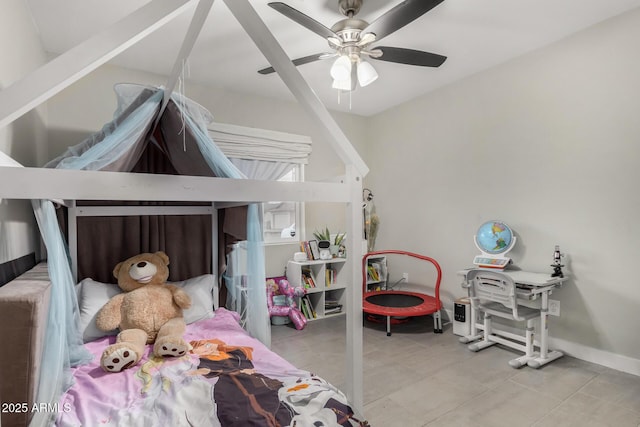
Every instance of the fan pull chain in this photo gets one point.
(350, 98)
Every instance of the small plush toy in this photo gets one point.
(149, 311)
(286, 307)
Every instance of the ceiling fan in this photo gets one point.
(351, 41)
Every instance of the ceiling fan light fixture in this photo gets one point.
(341, 68)
(344, 85)
(366, 74)
(351, 39)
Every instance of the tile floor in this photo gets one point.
(418, 378)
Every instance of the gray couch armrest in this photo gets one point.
(24, 308)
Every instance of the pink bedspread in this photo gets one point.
(234, 381)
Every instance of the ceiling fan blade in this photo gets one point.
(303, 19)
(300, 61)
(409, 56)
(399, 16)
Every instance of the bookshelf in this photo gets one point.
(376, 273)
(325, 285)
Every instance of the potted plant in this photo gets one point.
(322, 234)
(334, 243)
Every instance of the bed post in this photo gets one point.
(353, 372)
(214, 256)
(356, 170)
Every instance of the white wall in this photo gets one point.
(548, 143)
(24, 139)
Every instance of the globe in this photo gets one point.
(494, 237)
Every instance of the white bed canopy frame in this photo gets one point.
(57, 184)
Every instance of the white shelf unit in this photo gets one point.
(376, 273)
(330, 278)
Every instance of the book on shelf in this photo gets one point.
(374, 272)
(315, 251)
(308, 311)
(307, 279)
(330, 277)
(330, 303)
(304, 309)
(304, 247)
(310, 248)
(333, 310)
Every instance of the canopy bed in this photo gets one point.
(143, 139)
(63, 344)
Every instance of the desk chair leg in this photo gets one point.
(528, 352)
(485, 340)
(474, 333)
(466, 339)
(481, 345)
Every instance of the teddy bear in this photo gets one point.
(149, 311)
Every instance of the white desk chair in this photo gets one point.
(494, 294)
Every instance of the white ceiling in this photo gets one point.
(473, 34)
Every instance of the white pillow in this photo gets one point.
(200, 289)
(92, 296)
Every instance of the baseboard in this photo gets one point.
(601, 357)
(588, 354)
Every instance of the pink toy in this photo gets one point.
(289, 308)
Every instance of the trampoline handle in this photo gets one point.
(397, 252)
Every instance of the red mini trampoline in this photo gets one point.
(402, 304)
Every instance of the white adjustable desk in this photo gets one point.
(530, 287)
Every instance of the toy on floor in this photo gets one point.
(397, 306)
(148, 311)
(281, 301)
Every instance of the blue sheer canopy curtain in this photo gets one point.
(63, 346)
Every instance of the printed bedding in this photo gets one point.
(228, 379)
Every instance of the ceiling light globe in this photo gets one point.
(341, 68)
(366, 74)
(342, 84)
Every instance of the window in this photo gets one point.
(267, 154)
(283, 222)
